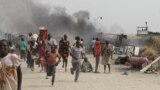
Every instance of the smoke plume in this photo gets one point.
(24, 16)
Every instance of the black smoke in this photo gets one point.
(24, 16)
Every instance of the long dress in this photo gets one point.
(41, 53)
(8, 73)
(106, 56)
(64, 49)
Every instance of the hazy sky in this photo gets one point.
(125, 14)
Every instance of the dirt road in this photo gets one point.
(91, 81)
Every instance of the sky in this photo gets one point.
(126, 15)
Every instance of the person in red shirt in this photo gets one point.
(97, 52)
(52, 63)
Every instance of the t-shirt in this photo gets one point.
(76, 52)
(11, 59)
(97, 48)
(51, 57)
(31, 39)
(22, 45)
(35, 45)
(52, 42)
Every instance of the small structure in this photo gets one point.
(145, 33)
(142, 30)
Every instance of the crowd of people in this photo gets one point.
(47, 54)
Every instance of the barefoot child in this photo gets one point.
(52, 63)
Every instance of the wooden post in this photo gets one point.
(150, 65)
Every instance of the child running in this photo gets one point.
(52, 63)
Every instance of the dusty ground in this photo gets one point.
(91, 81)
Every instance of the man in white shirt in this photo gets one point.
(76, 54)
